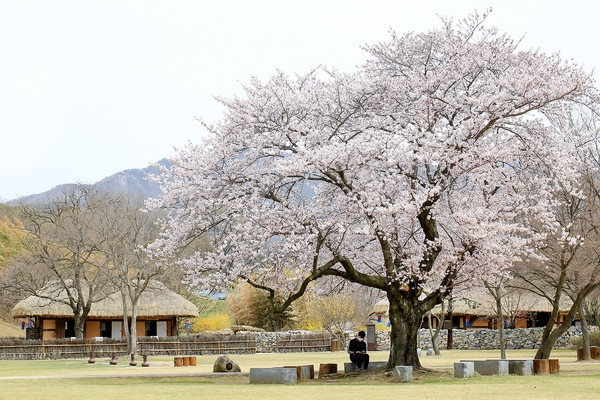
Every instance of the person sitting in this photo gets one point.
(358, 351)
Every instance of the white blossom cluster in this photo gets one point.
(424, 169)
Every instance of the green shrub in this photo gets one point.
(213, 322)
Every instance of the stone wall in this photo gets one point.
(486, 339)
(295, 341)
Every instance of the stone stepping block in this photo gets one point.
(490, 367)
(303, 371)
(273, 375)
(351, 367)
(520, 367)
(464, 369)
(403, 373)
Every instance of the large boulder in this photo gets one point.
(226, 364)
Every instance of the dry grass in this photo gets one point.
(10, 330)
(576, 380)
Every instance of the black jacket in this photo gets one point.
(355, 346)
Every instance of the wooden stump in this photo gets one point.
(186, 361)
(547, 366)
(335, 345)
(594, 353)
(541, 366)
(193, 361)
(554, 366)
(178, 361)
(326, 369)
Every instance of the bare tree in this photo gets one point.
(497, 293)
(63, 256)
(438, 328)
(569, 265)
(123, 232)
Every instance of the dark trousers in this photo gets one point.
(361, 360)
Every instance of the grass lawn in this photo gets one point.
(576, 380)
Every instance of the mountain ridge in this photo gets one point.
(133, 181)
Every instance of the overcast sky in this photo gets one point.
(89, 88)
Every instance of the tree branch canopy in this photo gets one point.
(424, 167)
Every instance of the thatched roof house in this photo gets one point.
(158, 309)
(476, 309)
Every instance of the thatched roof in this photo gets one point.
(478, 302)
(155, 302)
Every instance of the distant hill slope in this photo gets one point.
(10, 330)
(132, 181)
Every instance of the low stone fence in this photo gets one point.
(486, 339)
(238, 343)
(289, 342)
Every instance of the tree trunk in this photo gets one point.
(585, 334)
(450, 345)
(133, 330)
(549, 339)
(500, 322)
(438, 328)
(126, 321)
(404, 319)
(79, 326)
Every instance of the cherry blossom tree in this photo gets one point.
(416, 175)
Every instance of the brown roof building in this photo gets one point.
(158, 309)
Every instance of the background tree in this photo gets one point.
(63, 254)
(123, 231)
(434, 334)
(568, 266)
(410, 175)
(497, 293)
(253, 307)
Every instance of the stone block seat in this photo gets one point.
(464, 369)
(403, 373)
(273, 375)
(351, 367)
(303, 371)
(520, 367)
(490, 367)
